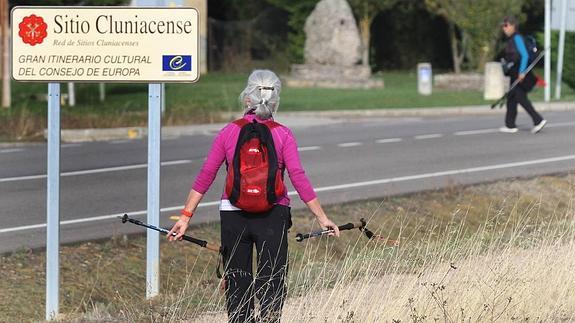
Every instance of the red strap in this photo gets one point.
(186, 213)
(270, 124)
(241, 122)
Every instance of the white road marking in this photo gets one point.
(10, 150)
(559, 124)
(431, 136)
(117, 142)
(331, 188)
(388, 140)
(94, 171)
(350, 144)
(100, 218)
(70, 145)
(484, 131)
(309, 148)
(475, 132)
(446, 173)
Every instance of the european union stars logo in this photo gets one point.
(177, 63)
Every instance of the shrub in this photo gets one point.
(568, 59)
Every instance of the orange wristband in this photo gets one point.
(186, 213)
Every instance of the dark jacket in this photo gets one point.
(516, 53)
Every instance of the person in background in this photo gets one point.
(517, 58)
(241, 230)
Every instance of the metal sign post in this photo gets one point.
(561, 50)
(155, 98)
(53, 203)
(547, 47)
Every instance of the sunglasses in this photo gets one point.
(271, 88)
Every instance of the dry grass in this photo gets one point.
(21, 125)
(483, 278)
(508, 242)
(519, 271)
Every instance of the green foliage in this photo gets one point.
(478, 22)
(407, 35)
(236, 9)
(568, 59)
(364, 9)
(298, 13)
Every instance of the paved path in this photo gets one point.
(363, 158)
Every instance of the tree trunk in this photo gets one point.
(102, 92)
(486, 55)
(455, 54)
(364, 30)
(71, 94)
(482, 60)
(5, 34)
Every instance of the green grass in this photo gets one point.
(400, 92)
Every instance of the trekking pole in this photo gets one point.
(517, 81)
(302, 236)
(201, 243)
(360, 225)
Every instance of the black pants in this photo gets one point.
(519, 95)
(268, 232)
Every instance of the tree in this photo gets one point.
(298, 12)
(473, 27)
(365, 11)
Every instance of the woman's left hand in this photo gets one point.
(326, 223)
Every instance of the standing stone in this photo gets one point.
(332, 51)
(332, 37)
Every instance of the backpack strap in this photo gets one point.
(271, 124)
(241, 122)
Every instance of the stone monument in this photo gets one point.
(332, 51)
(494, 81)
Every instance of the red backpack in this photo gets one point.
(254, 180)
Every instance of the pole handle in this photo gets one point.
(348, 226)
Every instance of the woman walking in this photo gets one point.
(254, 208)
(517, 56)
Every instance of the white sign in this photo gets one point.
(556, 15)
(105, 44)
(424, 79)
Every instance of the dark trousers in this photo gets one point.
(268, 232)
(519, 96)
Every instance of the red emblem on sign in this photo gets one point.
(33, 30)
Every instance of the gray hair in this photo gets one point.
(262, 94)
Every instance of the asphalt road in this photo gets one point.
(355, 159)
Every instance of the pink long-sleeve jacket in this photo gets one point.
(224, 146)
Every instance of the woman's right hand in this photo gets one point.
(326, 223)
(179, 229)
(322, 219)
